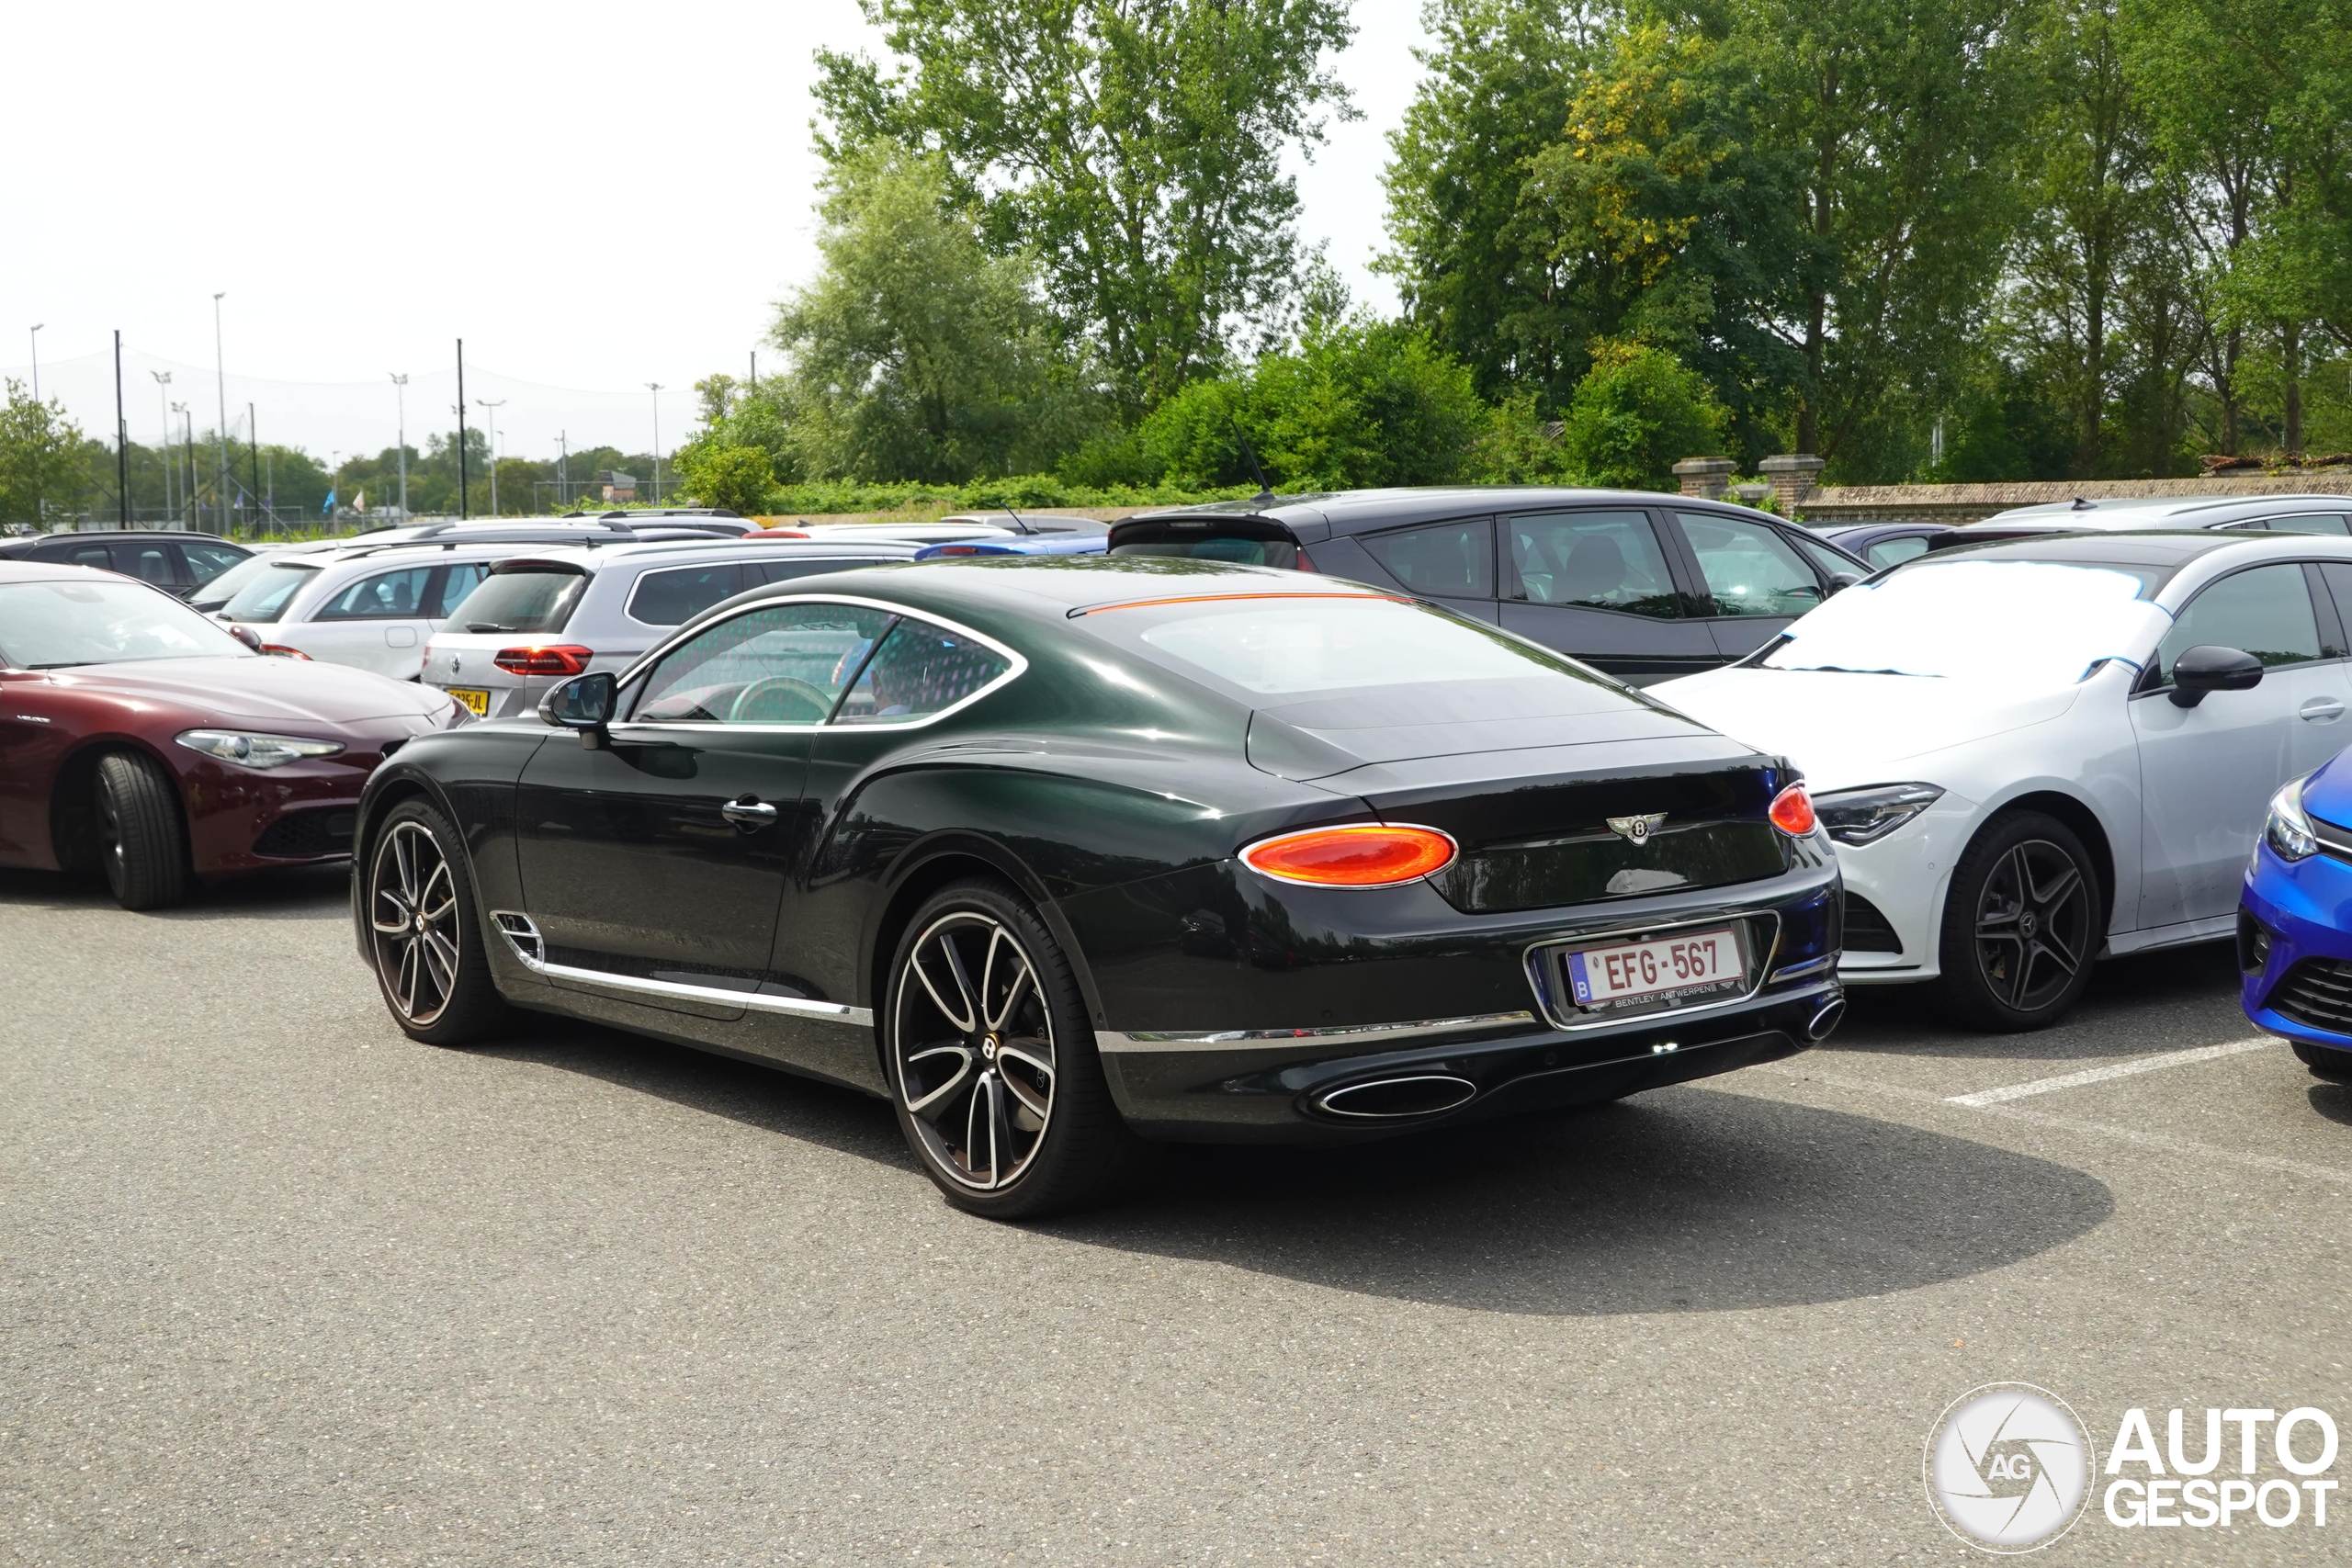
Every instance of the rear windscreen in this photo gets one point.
(1243, 540)
(520, 602)
(263, 596)
(1284, 646)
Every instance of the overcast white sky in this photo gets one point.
(367, 183)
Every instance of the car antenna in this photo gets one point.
(1265, 492)
(1018, 526)
(2081, 505)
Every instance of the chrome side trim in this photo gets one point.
(629, 986)
(1371, 1037)
(1797, 971)
(522, 934)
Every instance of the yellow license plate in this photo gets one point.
(477, 700)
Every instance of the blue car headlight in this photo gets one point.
(2289, 831)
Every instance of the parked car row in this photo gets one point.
(1258, 822)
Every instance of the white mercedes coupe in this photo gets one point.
(2037, 753)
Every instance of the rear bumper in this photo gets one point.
(1253, 1094)
(1197, 977)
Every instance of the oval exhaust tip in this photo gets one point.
(1826, 1020)
(1424, 1094)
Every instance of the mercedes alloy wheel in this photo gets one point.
(2021, 924)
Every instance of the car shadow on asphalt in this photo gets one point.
(2134, 1005)
(2333, 1100)
(295, 893)
(767, 1097)
(1683, 1199)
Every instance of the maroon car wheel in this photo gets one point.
(142, 843)
(424, 937)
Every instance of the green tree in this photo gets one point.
(1905, 122)
(1133, 147)
(1637, 414)
(1476, 271)
(43, 458)
(916, 353)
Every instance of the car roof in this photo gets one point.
(1348, 511)
(15, 543)
(2148, 512)
(58, 571)
(2162, 548)
(1050, 590)
(692, 551)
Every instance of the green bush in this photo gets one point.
(1634, 415)
(738, 477)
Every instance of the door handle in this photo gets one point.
(2321, 710)
(749, 812)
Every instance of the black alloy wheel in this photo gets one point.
(2021, 924)
(992, 1062)
(142, 841)
(424, 934)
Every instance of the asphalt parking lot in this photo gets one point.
(281, 1287)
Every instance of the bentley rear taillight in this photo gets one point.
(1359, 855)
(1792, 811)
(556, 659)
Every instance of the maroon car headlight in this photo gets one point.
(249, 749)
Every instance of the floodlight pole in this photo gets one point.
(462, 513)
(493, 408)
(655, 388)
(164, 398)
(221, 433)
(399, 391)
(121, 441)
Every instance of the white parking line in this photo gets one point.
(1984, 1097)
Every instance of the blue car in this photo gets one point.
(2295, 919)
(1022, 545)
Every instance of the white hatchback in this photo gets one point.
(2037, 753)
(372, 607)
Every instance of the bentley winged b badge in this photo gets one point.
(1637, 830)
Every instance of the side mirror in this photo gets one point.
(584, 702)
(1841, 580)
(247, 636)
(2206, 667)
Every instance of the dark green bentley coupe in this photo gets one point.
(1064, 856)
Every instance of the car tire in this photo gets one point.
(424, 932)
(142, 838)
(2324, 1061)
(992, 1062)
(2021, 925)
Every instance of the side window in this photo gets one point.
(90, 555)
(1894, 552)
(1601, 560)
(206, 562)
(2266, 612)
(1749, 570)
(2305, 523)
(387, 596)
(1827, 561)
(785, 664)
(920, 670)
(1451, 560)
(674, 597)
(456, 582)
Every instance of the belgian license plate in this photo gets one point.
(1691, 967)
(474, 697)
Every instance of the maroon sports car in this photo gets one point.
(143, 740)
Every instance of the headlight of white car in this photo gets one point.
(2289, 831)
(248, 750)
(1866, 816)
